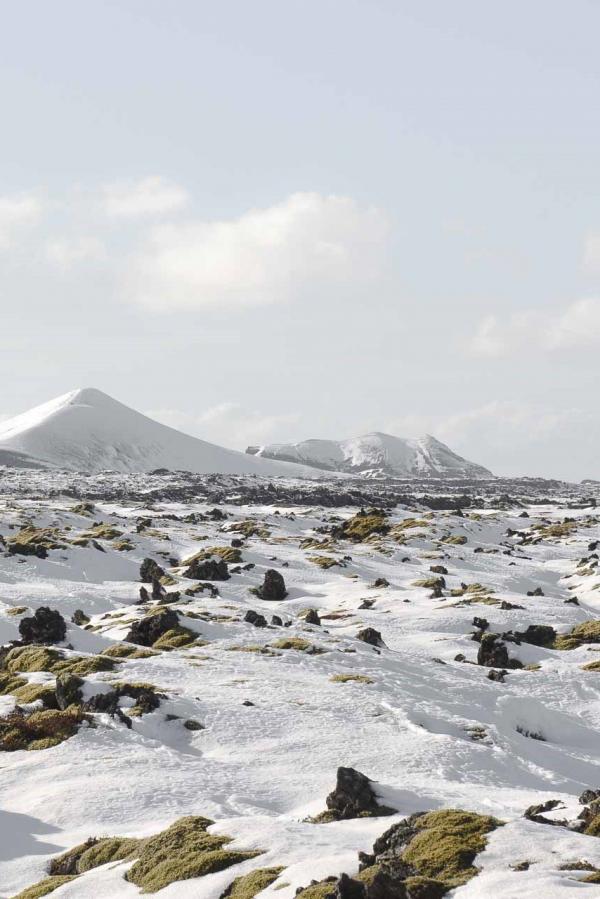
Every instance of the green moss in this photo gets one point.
(347, 678)
(30, 540)
(17, 610)
(176, 638)
(123, 546)
(40, 730)
(102, 531)
(430, 583)
(45, 886)
(298, 643)
(250, 528)
(454, 540)
(31, 658)
(183, 851)
(250, 885)
(324, 890)
(593, 827)
(230, 554)
(9, 683)
(82, 666)
(324, 562)
(363, 526)
(126, 651)
(446, 845)
(109, 849)
(33, 692)
(585, 632)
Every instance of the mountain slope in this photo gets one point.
(88, 431)
(377, 453)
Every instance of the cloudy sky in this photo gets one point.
(280, 219)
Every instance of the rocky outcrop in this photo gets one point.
(46, 626)
(273, 587)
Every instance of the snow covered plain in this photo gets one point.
(431, 731)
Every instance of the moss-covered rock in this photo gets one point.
(250, 885)
(44, 887)
(585, 632)
(183, 851)
(362, 526)
(39, 730)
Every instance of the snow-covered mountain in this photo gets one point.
(376, 454)
(86, 430)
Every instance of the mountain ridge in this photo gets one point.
(376, 454)
(87, 430)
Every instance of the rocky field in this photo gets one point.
(231, 687)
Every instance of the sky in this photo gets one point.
(287, 219)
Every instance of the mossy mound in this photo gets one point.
(31, 541)
(250, 528)
(102, 531)
(94, 853)
(298, 643)
(454, 540)
(362, 526)
(349, 678)
(430, 583)
(326, 889)
(126, 651)
(250, 885)
(446, 844)
(229, 554)
(34, 692)
(177, 638)
(40, 658)
(183, 851)
(17, 610)
(585, 632)
(40, 730)
(324, 562)
(44, 887)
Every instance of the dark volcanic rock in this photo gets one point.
(208, 570)
(353, 797)
(150, 570)
(147, 630)
(46, 626)
(68, 690)
(272, 587)
(371, 636)
(255, 618)
(537, 635)
(312, 617)
(494, 654)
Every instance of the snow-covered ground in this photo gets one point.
(431, 731)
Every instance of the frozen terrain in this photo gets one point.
(377, 455)
(253, 722)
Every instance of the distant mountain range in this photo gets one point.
(88, 431)
(374, 455)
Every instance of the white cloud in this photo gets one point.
(147, 197)
(576, 326)
(306, 242)
(67, 252)
(16, 213)
(229, 424)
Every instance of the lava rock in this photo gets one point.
(46, 626)
(255, 618)
(79, 618)
(150, 570)
(371, 636)
(353, 797)
(537, 635)
(312, 617)
(492, 652)
(68, 690)
(208, 570)
(146, 631)
(272, 588)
